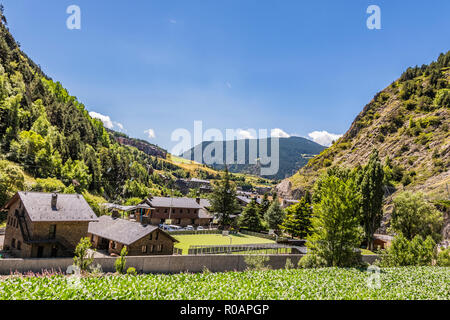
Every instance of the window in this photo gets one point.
(151, 236)
(13, 243)
(181, 210)
(152, 248)
(52, 231)
(156, 235)
(160, 247)
(144, 249)
(19, 245)
(165, 210)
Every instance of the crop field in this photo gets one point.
(216, 239)
(326, 283)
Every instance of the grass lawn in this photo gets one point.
(215, 239)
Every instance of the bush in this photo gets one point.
(443, 258)
(82, 258)
(289, 265)
(256, 262)
(402, 252)
(311, 261)
(131, 271)
(121, 261)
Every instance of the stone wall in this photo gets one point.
(153, 264)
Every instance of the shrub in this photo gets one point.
(131, 271)
(311, 260)
(121, 261)
(256, 262)
(443, 258)
(82, 258)
(289, 265)
(403, 252)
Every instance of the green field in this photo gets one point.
(295, 284)
(216, 239)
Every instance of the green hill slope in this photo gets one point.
(408, 122)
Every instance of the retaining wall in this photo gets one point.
(154, 264)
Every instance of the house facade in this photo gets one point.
(112, 234)
(180, 211)
(42, 225)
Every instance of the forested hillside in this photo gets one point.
(408, 122)
(294, 153)
(49, 142)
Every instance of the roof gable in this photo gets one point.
(69, 207)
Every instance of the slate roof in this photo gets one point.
(120, 230)
(69, 207)
(247, 200)
(188, 203)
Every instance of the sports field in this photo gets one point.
(216, 239)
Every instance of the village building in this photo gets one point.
(46, 224)
(112, 234)
(288, 202)
(244, 200)
(175, 211)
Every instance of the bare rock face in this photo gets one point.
(144, 147)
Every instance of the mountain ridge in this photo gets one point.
(294, 153)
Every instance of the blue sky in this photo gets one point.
(301, 66)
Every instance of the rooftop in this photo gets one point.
(69, 207)
(120, 230)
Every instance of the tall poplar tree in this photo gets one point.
(371, 189)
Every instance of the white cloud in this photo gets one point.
(119, 125)
(278, 133)
(151, 133)
(105, 119)
(323, 137)
(245, 134)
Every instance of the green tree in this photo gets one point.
(250, 218)
(336, 232)
(371, 188)
(274, 215)
(297, 222)
(121, 261)
(413, 215)
(82, 258)
(264, 206)
(223, 200)
(12, 180)
(76, 173)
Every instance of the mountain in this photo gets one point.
(408, 122)
(294, 153)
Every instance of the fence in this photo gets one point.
(262, 235)
(188, 232)
(264, 248)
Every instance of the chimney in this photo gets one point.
(54, 200)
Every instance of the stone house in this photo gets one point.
(181, 211)
(112, 234)
(46, 224)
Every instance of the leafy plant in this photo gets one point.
(121, 261)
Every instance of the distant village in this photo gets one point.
(46, 225)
